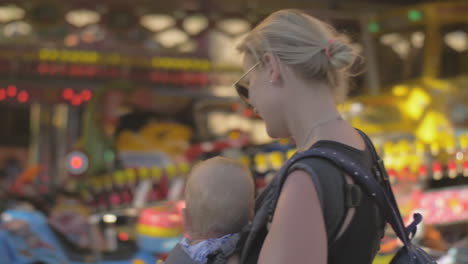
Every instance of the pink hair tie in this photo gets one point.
(327, 49)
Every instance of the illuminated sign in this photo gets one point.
(77, 162)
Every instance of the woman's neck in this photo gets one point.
(313, 117)
(318, 130)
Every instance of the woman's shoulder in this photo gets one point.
(298, 192)
(297, 219)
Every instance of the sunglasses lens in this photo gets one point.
(243, 92)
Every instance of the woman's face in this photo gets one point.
(266, 97)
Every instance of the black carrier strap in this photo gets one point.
(266, 202)
(361, 175)
(353, 195)
(374, 183)
(335, 194)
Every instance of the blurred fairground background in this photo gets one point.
(106, 105)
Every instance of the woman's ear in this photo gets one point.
(273, 66)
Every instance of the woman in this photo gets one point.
(295, 72)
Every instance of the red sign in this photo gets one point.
(445, 207)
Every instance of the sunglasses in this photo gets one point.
(243, 89)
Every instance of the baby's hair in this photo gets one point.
(219, 197)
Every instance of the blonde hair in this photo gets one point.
(312, 48)
(219, 197)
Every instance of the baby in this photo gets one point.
(219, 198)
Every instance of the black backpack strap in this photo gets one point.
(307, 165)
(353, 194)
(410, 230)
(265, 207)
(368, 182)
(385, 198)
(265, 203)
(381, 172)
(335, 194)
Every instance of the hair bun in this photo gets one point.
(340, 54)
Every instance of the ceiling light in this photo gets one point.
(195, 24)
(402, 48)
(457, 40)
(172, 37)
(10, 12)
(224, 51)
(82, 17)
(155, 23)
(389, 39)
(417, 39)
(234, 26)
(17, 28)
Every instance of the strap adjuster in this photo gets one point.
(379, 171)
(353, 195)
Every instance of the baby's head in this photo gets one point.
(219, 198)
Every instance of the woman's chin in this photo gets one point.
(276, 133)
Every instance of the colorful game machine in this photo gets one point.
(128, 160)
(133, 122)
(417, 160)
(135, 137)
(27, 235)
(58, 229)
(419, 53)
(160, 228)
